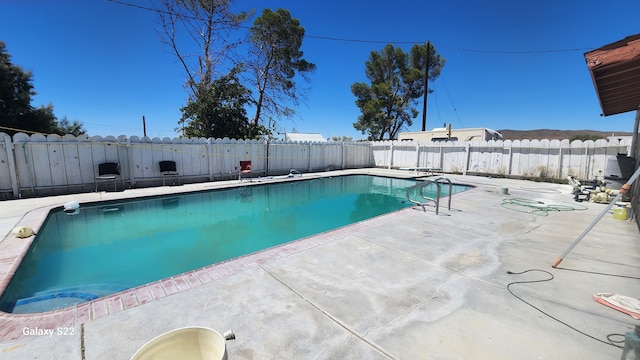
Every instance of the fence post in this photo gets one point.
(560, 161)
(209, 166)
(132, 180)
(12, 166)
(309, 156)
(390, 154)
(266, 160)
(510, 160)
(343, 157)
(467, 150)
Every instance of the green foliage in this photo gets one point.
(220, 111)
(16, 112)
(585, 137)
(65, 127)
(208, 24)
(342, 138)
(397, 81)
(274, 61)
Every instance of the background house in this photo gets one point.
(304, 137)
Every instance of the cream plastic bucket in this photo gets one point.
(188, 343)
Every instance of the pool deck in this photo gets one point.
(406, 285)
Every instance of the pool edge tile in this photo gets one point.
(181, 282)
(156, 290)
(129, 299)
(192, 278)
(169, 286)
(115, 303)
(68, 318)
(203, 276)
(143, 294)
(83, 313)
(99, 308)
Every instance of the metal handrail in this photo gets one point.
(438, 181)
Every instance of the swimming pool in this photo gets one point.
(112, 246)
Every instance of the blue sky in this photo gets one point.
(509, 64)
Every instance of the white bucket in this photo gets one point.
(504, 191)
(188, 343)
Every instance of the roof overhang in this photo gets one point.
(615, 71)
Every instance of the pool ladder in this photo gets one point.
(425, 199)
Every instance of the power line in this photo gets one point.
(370, 41)
(435, 96)
(515, 51)
(450, 99)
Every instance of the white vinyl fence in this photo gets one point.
(526, 158)
(39, 165)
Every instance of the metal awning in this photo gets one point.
(615, 71)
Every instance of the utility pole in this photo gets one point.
(144, 126)
(426, 88)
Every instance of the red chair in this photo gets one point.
(245, 168)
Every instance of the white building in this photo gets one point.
(304, 137)
(448, 134)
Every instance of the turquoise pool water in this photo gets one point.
(110, 247)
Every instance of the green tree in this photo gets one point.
(15, 92)
(342, 138)
(397, 81)
(274, 61)
(16, 112)
(65, 127)
(220, 111)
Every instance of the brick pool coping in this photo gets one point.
(13, 249)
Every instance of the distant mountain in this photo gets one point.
(549, 134)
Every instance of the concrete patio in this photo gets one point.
(407, 285)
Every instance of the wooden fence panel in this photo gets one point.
(216, 157)
(431, 156)
(317, 156)
(198, 159)
(535, 161)
(453, 157)
(56, 161)
(357, 155)
(379, 152)
(152, 165)
(71, 160)
(331, 156)
(5, 152)
(98, 153)
(229, 160)
(24, 166)
(39, 157)
(404, 154)
(564, 154)
(577, 159)
(553, 162)
(137, 157)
